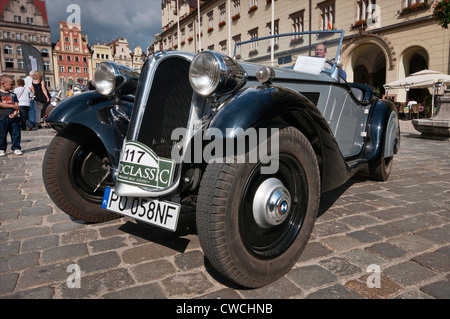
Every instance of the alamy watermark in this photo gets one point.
(235, 145)
(74, 280)
(374, 279)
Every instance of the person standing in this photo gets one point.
(41, 96)
(23, 95)
(9, 120)
(32, 111)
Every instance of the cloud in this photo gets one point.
(106, 20)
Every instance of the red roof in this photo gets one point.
(39, 4)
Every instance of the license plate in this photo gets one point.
(151, 211)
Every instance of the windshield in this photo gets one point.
(292, 50)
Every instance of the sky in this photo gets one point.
(106, 20)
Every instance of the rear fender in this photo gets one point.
(98, 113)
(384, 131)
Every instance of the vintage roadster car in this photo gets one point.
(248, 143)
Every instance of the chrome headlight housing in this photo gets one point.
(115, 78)
(214, 73)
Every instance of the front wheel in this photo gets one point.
(252, 226)
(75, 172)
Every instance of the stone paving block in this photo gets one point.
(340, 243)
(40, 243)
(98, 262)
(64, 252)
(112, 243)
(366, 286)
(411, 243)
(38, 293)
(334, 292)
(98, 284)
(153, 270)
(190, 260)
(19, 262)
(364, 236)
(148, 291)
(188, 284)
(362, 258)
(309, 277)
(434, 261)
(329, 228)
(314, 250)
(43, 275)
(9, 248)
(226, 293)
(8, 282)
(280, 289)
(386, 250)
(439, 289)
(340, 266)
(146, 252)
(438, 234)
(409, 273)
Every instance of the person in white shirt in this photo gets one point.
(24, 95)
(32, 111)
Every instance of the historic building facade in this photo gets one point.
(71, 55)
(121, 51)
(384, 40)
(24, 21)
(101, 53)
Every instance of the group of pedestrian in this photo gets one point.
(21, 108)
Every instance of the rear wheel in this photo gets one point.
(75, 172)
(253, 227)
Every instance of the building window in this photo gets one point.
(84, 59)
(223, 13)
(276, 32)
(236, 40)
(32, 37)
(85, 70)
(77, 59)
(6, 35)
(69, 58)
(30, 20)
(44, 53)
(69, 69)
(19, 50)
(47, 82)
(327, 15)
(21, 64)
(19, 36)
(66, 39)
(77, 69)
(210, 16)
(9, 63)
(46, 66)
(363, 6)
(60, 57)
(253, 45)
(75, 40)
(17, 19)
(223, 46)
(67, 47)
(236, 7)
(61, 69)
(253, 5)
(8, 49)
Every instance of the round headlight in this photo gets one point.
(204, 73)
(104, 79)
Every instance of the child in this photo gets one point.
(9, 120)
(23, 95)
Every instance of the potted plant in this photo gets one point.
(236, 16)
(441, 11)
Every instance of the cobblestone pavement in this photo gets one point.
(400, 228)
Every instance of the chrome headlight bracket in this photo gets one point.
(112, 78)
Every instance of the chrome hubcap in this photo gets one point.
(271, 203)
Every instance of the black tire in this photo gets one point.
(380, 170)
(74, 164)
(233, 241)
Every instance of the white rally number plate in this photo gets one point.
(151, 211)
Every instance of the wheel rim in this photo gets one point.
(89, 172)
(269, 241)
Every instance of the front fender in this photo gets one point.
(264, 105)
(96, 112)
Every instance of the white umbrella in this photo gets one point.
(422, 79)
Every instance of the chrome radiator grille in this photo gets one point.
(168, 105)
